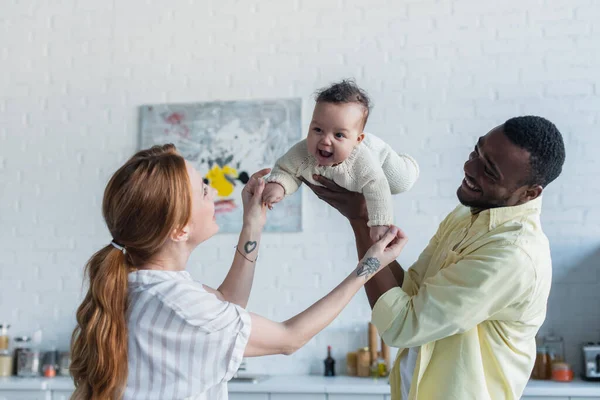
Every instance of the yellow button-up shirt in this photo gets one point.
(473, 302)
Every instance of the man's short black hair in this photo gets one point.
(544, 143)
(346, 91)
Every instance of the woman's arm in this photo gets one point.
(269, 337)
(237, 284)
(390, 277)
(353, 206)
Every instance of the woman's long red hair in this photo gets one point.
(144, 201)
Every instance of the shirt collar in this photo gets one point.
(150, 276)
(500, 215)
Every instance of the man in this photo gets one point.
(465, 315)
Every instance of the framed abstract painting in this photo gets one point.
(227, 141)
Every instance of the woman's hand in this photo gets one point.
(255, 212)
(382, 252)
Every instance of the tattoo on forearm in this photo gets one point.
(368, 267)
(249, 247)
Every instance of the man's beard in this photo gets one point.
(481, 203)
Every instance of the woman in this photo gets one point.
(145, 329)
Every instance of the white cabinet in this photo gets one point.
(543, 398)
(248, 396)
(25, 395)
(61, 394)
(356, 397)
(584, 398)
(298, 396)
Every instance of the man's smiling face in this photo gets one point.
(496, 174)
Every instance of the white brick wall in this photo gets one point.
(441, 73)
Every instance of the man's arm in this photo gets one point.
(352, 205)
(390, 277)
(460, 296)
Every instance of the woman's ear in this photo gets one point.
(181, 235)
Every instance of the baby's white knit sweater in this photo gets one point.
(373, 169)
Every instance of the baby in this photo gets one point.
(338, 149)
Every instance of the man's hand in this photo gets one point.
(351, 205)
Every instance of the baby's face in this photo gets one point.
(334, 131)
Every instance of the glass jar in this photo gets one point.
(50, 364)
(26, 361)
(351, 359)
(64, 362)
(542, 367)
(363, 362)
(4, 339)
(556, 347)
(562, 372)
(21, 343)
(6, 363)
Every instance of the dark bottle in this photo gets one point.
(329, 363)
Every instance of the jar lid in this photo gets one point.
(560, 366)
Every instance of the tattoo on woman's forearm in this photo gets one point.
(249, 247)
(368, 267)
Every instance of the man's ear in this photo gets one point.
(181, 235)
(533, 192)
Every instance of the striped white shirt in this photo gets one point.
(184, 343)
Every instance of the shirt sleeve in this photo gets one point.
(456, 299)
(286, 168)
(415, 274)
(220, 334)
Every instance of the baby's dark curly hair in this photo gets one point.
(346, 91)
(544, 143)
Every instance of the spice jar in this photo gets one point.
(363, 362)
(351, 359)
(562, 372)
(21, 343)
(49, 365)
(382, 367)
(556, 347)
(64, 362)
(4, 336)
(28, 363)
(542, 367)
(27, 360)
(6, 363)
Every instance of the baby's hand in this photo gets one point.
(377, 232)
(273, 193)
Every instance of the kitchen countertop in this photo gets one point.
(318, 384)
